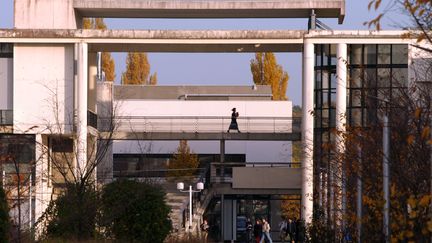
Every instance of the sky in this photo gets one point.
(227, 68)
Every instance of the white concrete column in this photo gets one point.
(341, 104)
(307, 131)
(82, 86)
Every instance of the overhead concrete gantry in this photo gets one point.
(68, 14)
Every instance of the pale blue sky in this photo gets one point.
(225, 68)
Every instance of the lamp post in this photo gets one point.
(199, 187)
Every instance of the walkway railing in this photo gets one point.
(222, 171)
(201, 124)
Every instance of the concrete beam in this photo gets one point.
(210, 8)
(201, 136)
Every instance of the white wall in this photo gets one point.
(204, 108)
(44, 14)
(43, 87)
(6, 87)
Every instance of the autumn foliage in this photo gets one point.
(184, 163)
(266, 71)
(138, 70)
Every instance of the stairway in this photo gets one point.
(177, 201)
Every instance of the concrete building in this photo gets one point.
(48, 85)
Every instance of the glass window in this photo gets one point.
(400, 54)
(326, 54)
(325, 118)
(333, 99)
(383, 54)
(318, 99)
(400, 77)
(383, 77)
(318, 79)
(333, 80)
(332, 118)
(370, 77)
(318, 53)
(325, 79)
(356, 55)
(333, 55)
(356, 98)
(356, 116)
(325, 97)
(355, 78)
(370, 54)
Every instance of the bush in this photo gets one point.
(134, 211)
(4, 217)
(73, 215)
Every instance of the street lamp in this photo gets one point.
(199, 187)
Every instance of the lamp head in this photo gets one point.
(180, 186)
(200, 186)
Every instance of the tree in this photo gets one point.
(134, 211)
(138, 70)
(419, 11)
(4, 216)
(184, 163)
(108, 66)
(266, 71)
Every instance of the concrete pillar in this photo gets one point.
(341, 104)
(82, 97)
(307, 131)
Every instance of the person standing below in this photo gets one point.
(266, 232)
(291, 229)
(204, 230)
(257, 231)
(233, 125)
(283, 229)
(248, 231)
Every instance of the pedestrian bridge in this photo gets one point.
(199, 128)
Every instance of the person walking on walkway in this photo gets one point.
(233, 125)
(266, 232)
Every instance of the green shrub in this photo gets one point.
(73, 214)
(134, 211)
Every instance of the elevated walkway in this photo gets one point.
(201, 128)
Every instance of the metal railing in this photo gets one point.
(222, 171)
(6, 117)
(202, 124)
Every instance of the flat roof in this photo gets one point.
(210, 8)
(176, 92)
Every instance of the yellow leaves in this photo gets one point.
(429, 225)
(417, 113)
(410, 139)
(266, 71)
(412, 202)
(425, 132)
(138, 70)
(424, 201)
